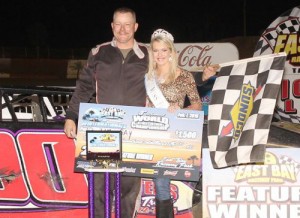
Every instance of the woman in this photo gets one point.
(167, 86)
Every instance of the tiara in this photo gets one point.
(162, 33)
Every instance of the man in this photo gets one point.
(115, 72)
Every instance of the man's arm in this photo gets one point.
(85, 89)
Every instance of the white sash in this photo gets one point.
(155, 94)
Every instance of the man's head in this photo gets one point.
(124, 26)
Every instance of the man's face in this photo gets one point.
(124, 27)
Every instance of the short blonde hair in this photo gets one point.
(125, 10)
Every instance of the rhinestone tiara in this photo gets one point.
(162, 33)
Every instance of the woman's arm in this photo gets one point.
(192, 94)
(194, 106)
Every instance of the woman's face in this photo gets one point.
(161, 53)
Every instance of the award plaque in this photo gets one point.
(144, 142)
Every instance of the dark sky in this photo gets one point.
(78, 23)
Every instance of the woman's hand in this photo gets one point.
(209, 71)
(173, 108)
(194, 106)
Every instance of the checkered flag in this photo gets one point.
(287, 160)
(281, 115)
(241, 109)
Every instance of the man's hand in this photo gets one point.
(70, 128)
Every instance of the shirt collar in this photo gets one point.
(135, 48)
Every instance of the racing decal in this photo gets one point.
(53, 178)
(37, 178)
(12, 184)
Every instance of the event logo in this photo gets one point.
(150, 121)
(240, 112)
(108, 138)
(289, 43)
(112, 113)
(100, 119)
(104, 113)
(275, 170)
(173, 162)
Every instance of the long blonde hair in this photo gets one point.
(173, 62)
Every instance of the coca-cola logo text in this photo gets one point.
(194, 56)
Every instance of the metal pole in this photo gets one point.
(118, 195)
(91, 195)
(107, 211)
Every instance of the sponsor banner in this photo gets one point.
(155, 142)
(282, 35)
(253, 190)
(193, 56)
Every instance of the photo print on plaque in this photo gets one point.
(105, 147)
